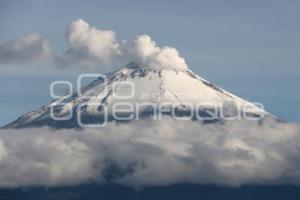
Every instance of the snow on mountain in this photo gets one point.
(149, 90)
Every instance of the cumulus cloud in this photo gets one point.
(146, 152)
(89, 46)
(30, 48)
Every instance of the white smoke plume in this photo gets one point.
(147, 152)
(144, 51)
(90, 47)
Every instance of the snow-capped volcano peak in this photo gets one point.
(172, 84)
(133, 66)
(137, 89)
(156, 66)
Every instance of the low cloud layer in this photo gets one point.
(91, 47)
(144, 153)
(30, 48)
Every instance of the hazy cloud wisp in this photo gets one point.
(29, 48)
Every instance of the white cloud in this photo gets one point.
(89, 46)
(29, 48)
(144, 51)
(150, 152)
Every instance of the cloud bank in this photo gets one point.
(30, 48)
(144, 153)
(89, 47)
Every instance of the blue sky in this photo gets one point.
(250, 48)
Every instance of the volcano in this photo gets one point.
(140, 92)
